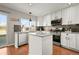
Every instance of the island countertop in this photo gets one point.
(40, 34)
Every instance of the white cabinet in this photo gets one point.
(23, 38)
(77, 42)
(20, 38)
(35, 45)
(74, 15)
(47, 20)
(65, 16)
(53, 16)
(70, 15)
(64, 39)
(72, 40)
(68, 40)
(40, 21)
(47, 45)
(76, 20)
(58, 14)
(40, 45)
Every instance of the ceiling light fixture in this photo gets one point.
(30, 13)
(30, 16)
(30, 4)
(69, 3)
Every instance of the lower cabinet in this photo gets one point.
(64, 39)
(69, 40)
(40, 45)
(35, 45)
(72, 40)
(77, 42)
(47, 45)
(23, 38)
(20, 38)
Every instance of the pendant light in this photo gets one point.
(30, 16)
(30, 13)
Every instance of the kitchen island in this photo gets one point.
(40, 43)
(21, 38)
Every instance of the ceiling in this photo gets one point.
(37, 9)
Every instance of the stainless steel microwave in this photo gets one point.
(56, 22)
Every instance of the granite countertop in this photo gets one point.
(23, 32)
(41, 34)
(71, 32)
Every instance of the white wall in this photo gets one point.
(13, 15)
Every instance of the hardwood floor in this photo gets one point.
(57, 50)
(23, 50)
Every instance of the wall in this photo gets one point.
(13, 16)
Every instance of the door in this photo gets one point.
(77, 15)
(65, 16)
(3, 29)
(47, 45)
(64, 39)
(72, 40)
(35, 45)
(77, 41)
(47, 20)
(58, 14)
(53, 16)
(23, 38)
(73, 14)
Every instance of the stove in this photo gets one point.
(57, 38)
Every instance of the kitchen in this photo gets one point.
(60, 25)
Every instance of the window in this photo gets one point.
(3, 24)
(25, 22)
(3, 29)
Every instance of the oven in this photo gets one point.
(57, 38)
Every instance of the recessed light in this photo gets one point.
(69, 3)
(30, 4)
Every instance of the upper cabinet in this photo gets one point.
(74, 15)
(70, 15)
(47, 20)
(40, 21)
(65, 16)
(56, 15)
(53, 16)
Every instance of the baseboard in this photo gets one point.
(10, 44)
(6, 45)
(75, 50)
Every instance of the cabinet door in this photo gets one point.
(47, 45)
(77, 42)
(73, 15)
(58, 14)
(72, 40)
(53, 16)
(47, 20)
(44, 21)
(35, 45)
(77, 15)
(22, 38)
(65, 16)
(64, 39)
